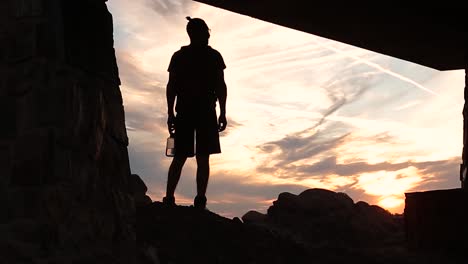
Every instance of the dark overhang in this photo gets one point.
(431, 33)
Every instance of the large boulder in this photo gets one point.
(312, 202)
(254, 217)
(139, 189)
(320, 217)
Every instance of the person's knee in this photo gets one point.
(179, 161)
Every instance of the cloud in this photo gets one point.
(329, 165)
(295, 148)
(171, 8)
(234, 195)
(136, 77)
(321, 141)
(141, 121)
(238, 184)
(384, 138)
(231, 126)
(381, 69)
(149, 162)
(144, 96)
(344, 87)
(444, 174)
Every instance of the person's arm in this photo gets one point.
(170, 97)
(221, 94)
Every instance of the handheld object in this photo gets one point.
(170, 146)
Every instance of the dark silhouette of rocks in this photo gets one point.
(139, 189)
(320, 216)
(64, 166)
(334, 229)
(254, 217)
(316, 226)
(186, 235)
(326, 221)
(436, 220)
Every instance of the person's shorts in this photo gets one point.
(197, 134)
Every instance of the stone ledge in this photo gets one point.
(437, 219)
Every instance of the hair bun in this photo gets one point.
(188, 18)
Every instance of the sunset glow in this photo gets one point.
(391, 202)
(303, 111)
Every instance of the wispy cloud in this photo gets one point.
(379, 67)
(171, 8)
(143, 93)
(329, 165)
(136, 76)
(291, 149)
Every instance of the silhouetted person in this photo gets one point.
(196, 79)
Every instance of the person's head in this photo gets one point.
(198, 31)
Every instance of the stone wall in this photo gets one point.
(64, 168)
(436, 220)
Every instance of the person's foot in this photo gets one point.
(170, 201)
(199, 202)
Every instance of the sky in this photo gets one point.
(303, 112)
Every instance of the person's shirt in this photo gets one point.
(196, 70)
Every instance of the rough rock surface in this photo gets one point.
(64, 169)
(334, 229)
(435, 220)
(319, 216)
(139, 189)
(316, 226)
(185, 235)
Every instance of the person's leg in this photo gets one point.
(174, 175)
(184, 148)
(203, 174)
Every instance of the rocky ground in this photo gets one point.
(186, 235)
(316, 226)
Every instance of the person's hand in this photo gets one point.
(222, 123)
(171, 124)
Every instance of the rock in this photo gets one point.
(65, 183)
(139, 189)
(182, 234)
(292, 232)
(254, 217)
(324, 200)
(149, 254)
(237, 220)
(318, 216)
(371, 223)
(287, 200)
(137, 185)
